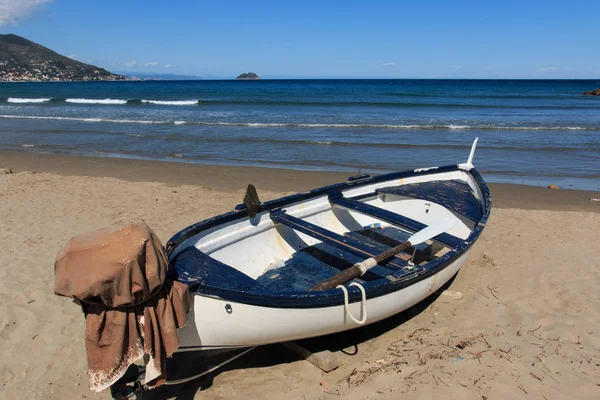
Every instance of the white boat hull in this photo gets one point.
(213, 327)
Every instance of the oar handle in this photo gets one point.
(392, 252)
(359, 269)
(345, 276)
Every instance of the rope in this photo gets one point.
(363, 303)
(211, 369)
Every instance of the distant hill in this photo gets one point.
(247, 76)
(24, 60)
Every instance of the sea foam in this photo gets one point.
(299, 125)
(172, 102)
(97, 101)
(115, 121)
(19, 100)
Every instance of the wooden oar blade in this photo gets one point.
(432, 231)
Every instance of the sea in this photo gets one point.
(533, 132)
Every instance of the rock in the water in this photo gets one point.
(6, 171)
(553, 187)
(595, 92)
(247, 76)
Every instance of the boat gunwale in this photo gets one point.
(332, 297)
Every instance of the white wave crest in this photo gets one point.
(172, 102)
(19, 100)
(458, 126)
(116, 121)
(97, 101)
(399, 126)
(292, 125)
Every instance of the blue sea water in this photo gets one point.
(531, 131)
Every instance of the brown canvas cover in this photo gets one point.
(118, 277)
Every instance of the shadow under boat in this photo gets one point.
(195, 363)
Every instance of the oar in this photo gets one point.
(362, 267)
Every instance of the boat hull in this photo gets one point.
(219, 323)
(230, 311)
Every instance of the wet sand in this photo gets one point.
(271, 179)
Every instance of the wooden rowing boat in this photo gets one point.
(251, 270)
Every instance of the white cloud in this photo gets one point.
(72, 56)
(457, 66)
(388, 64)
(169, 66)
(547, 69)
(151, 65)
(13, 10)
(131, 64)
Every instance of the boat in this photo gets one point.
(311, 264)
(253, 271)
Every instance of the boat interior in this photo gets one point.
(291, 248)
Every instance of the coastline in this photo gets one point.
(235, 178)
(532, 133)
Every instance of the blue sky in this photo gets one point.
(371, 39)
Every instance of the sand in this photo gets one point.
(530, 315)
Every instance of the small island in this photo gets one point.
(248, 76)
(595, 92)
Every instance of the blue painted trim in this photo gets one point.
(359, 177)
(454, 195)
(334, 297)
(390, 217)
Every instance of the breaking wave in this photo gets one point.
(19, 100)
(172, 102)
(117, 121)
(109, 101)
(302, 103)
(301, 125)
(96, 101)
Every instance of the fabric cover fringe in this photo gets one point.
(118, 277)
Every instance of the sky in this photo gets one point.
(304, 39)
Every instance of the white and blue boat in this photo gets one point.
(251, 270)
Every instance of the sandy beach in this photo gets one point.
(529, 318)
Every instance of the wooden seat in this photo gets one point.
(357, 247)
(390, 217)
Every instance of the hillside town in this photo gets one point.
(12, 71)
